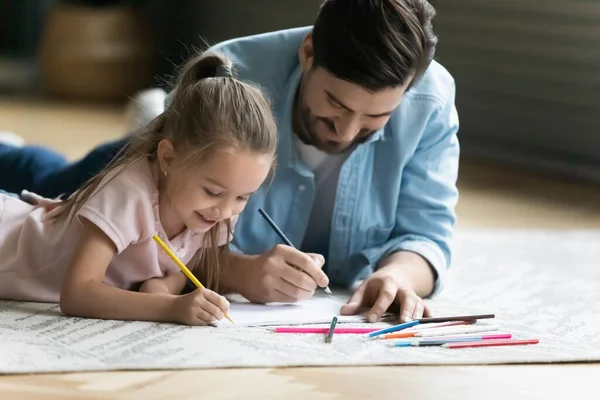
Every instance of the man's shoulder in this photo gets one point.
(433, 94)
(266, 59)
(436, 85)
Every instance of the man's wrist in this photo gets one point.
(411, 268)
(234, 272)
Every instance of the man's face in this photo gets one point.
(336, 114)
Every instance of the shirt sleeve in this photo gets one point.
(122, 209)
(428, 196)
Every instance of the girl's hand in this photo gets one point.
(200, 307)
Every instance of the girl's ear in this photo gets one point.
(166, 156)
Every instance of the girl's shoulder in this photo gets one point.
(135, 178)
(124, 205)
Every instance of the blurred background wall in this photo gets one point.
(528, 72)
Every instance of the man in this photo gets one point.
(367, 163)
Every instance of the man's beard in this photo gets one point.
(304, 126)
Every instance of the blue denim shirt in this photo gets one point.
(397, 191)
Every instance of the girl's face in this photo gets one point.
(213, 191)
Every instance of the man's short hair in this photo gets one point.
(376, 44)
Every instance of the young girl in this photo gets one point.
(185, 177)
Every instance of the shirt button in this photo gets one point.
(301, 188)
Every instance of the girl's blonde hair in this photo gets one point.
(209, 110)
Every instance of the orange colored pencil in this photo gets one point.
(401, 335)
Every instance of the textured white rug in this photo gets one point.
(539, 284)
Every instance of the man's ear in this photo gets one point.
(166, 156)
(306, 53)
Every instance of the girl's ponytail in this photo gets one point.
(208, 65)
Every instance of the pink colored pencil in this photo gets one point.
(487, 343)
(323, 330)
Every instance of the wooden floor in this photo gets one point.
(492, 196)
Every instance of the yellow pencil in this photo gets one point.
(181, 266)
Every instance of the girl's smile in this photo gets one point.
(206, 222)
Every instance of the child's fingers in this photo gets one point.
(204, 316)
(216, 299)
(212, 311)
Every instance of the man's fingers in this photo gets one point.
(292, 290)
(427, 312)
(407, 308)
(356, 300)
(303, 261)
(281, 297)
(419, 309)
(298, 279)
(385, 298)
(319, 259)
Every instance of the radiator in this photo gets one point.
(528, 79)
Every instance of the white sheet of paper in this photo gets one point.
(317, 310)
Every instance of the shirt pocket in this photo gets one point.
(378, 235)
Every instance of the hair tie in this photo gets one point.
(224, 71)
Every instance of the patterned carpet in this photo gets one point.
(540, 284)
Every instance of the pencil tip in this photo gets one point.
(328, 291)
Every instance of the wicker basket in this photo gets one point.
(96, 53)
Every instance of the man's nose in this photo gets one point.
(347, 128)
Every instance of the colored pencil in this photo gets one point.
(337, 331)
(488, 343)
(455, 318)
(440, 341)
(329, 336)
(456, 329)
(287, 241)
(394, 328)
(410, 332)
(181, 266)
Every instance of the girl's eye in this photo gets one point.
(211, 194)
(242, 198)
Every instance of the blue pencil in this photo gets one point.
(394, 328)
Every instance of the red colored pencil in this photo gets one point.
(487, 343)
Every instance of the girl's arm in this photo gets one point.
(172, 283)
(84, 294)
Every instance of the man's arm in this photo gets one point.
(234, 271)
(420, 242)
(412, 264)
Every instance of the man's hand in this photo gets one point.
(284, 274)
(398, 281)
